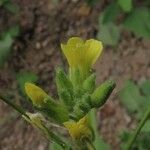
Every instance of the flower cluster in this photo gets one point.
(77, 95)
(76, 90)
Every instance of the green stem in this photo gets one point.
(54, 137)
(50, 135)
(138, 129)
(16, 107)
(90, 145)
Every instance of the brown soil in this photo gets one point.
(43, 26)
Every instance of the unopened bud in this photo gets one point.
(101, 94)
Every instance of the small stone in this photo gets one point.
(45, 43)
(38, 45)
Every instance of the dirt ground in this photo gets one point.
(43, 26)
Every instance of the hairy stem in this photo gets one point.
(19, 109)
(54, 137)
(16, 107)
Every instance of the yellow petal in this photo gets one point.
(81, 55)
(73, 129)
(83, 121)
(75, 42)
(35, 93)
(78, 130)
(94, 49)
(71, 50)
(68, 54)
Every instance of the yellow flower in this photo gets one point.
(35, 93)
(78, 130)
(82, 54)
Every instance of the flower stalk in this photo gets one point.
(14, 106)
(138, 129)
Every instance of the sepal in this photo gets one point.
(89, 84)
(81, 108)
(62, 80)
(64, 85)
(55, 111)
(65, 96)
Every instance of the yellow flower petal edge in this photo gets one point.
(94, 49)
(82, 54)
(78, 130)
(35, 93)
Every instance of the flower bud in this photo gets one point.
(36, 94)
(101, 94)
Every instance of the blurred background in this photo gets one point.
(30, 37)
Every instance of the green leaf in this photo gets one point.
(109, 33)
(100, 144)
(138, 22)
(25, 77)
(110, 13)
(146, 127)
(130, 96)
(145, 87)
(5, 48)
(14, 31)
(126, 5)
(11, 7)
(141, 143)
(55, 146)
(133, 100)
(2, 2)
(6, 42)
